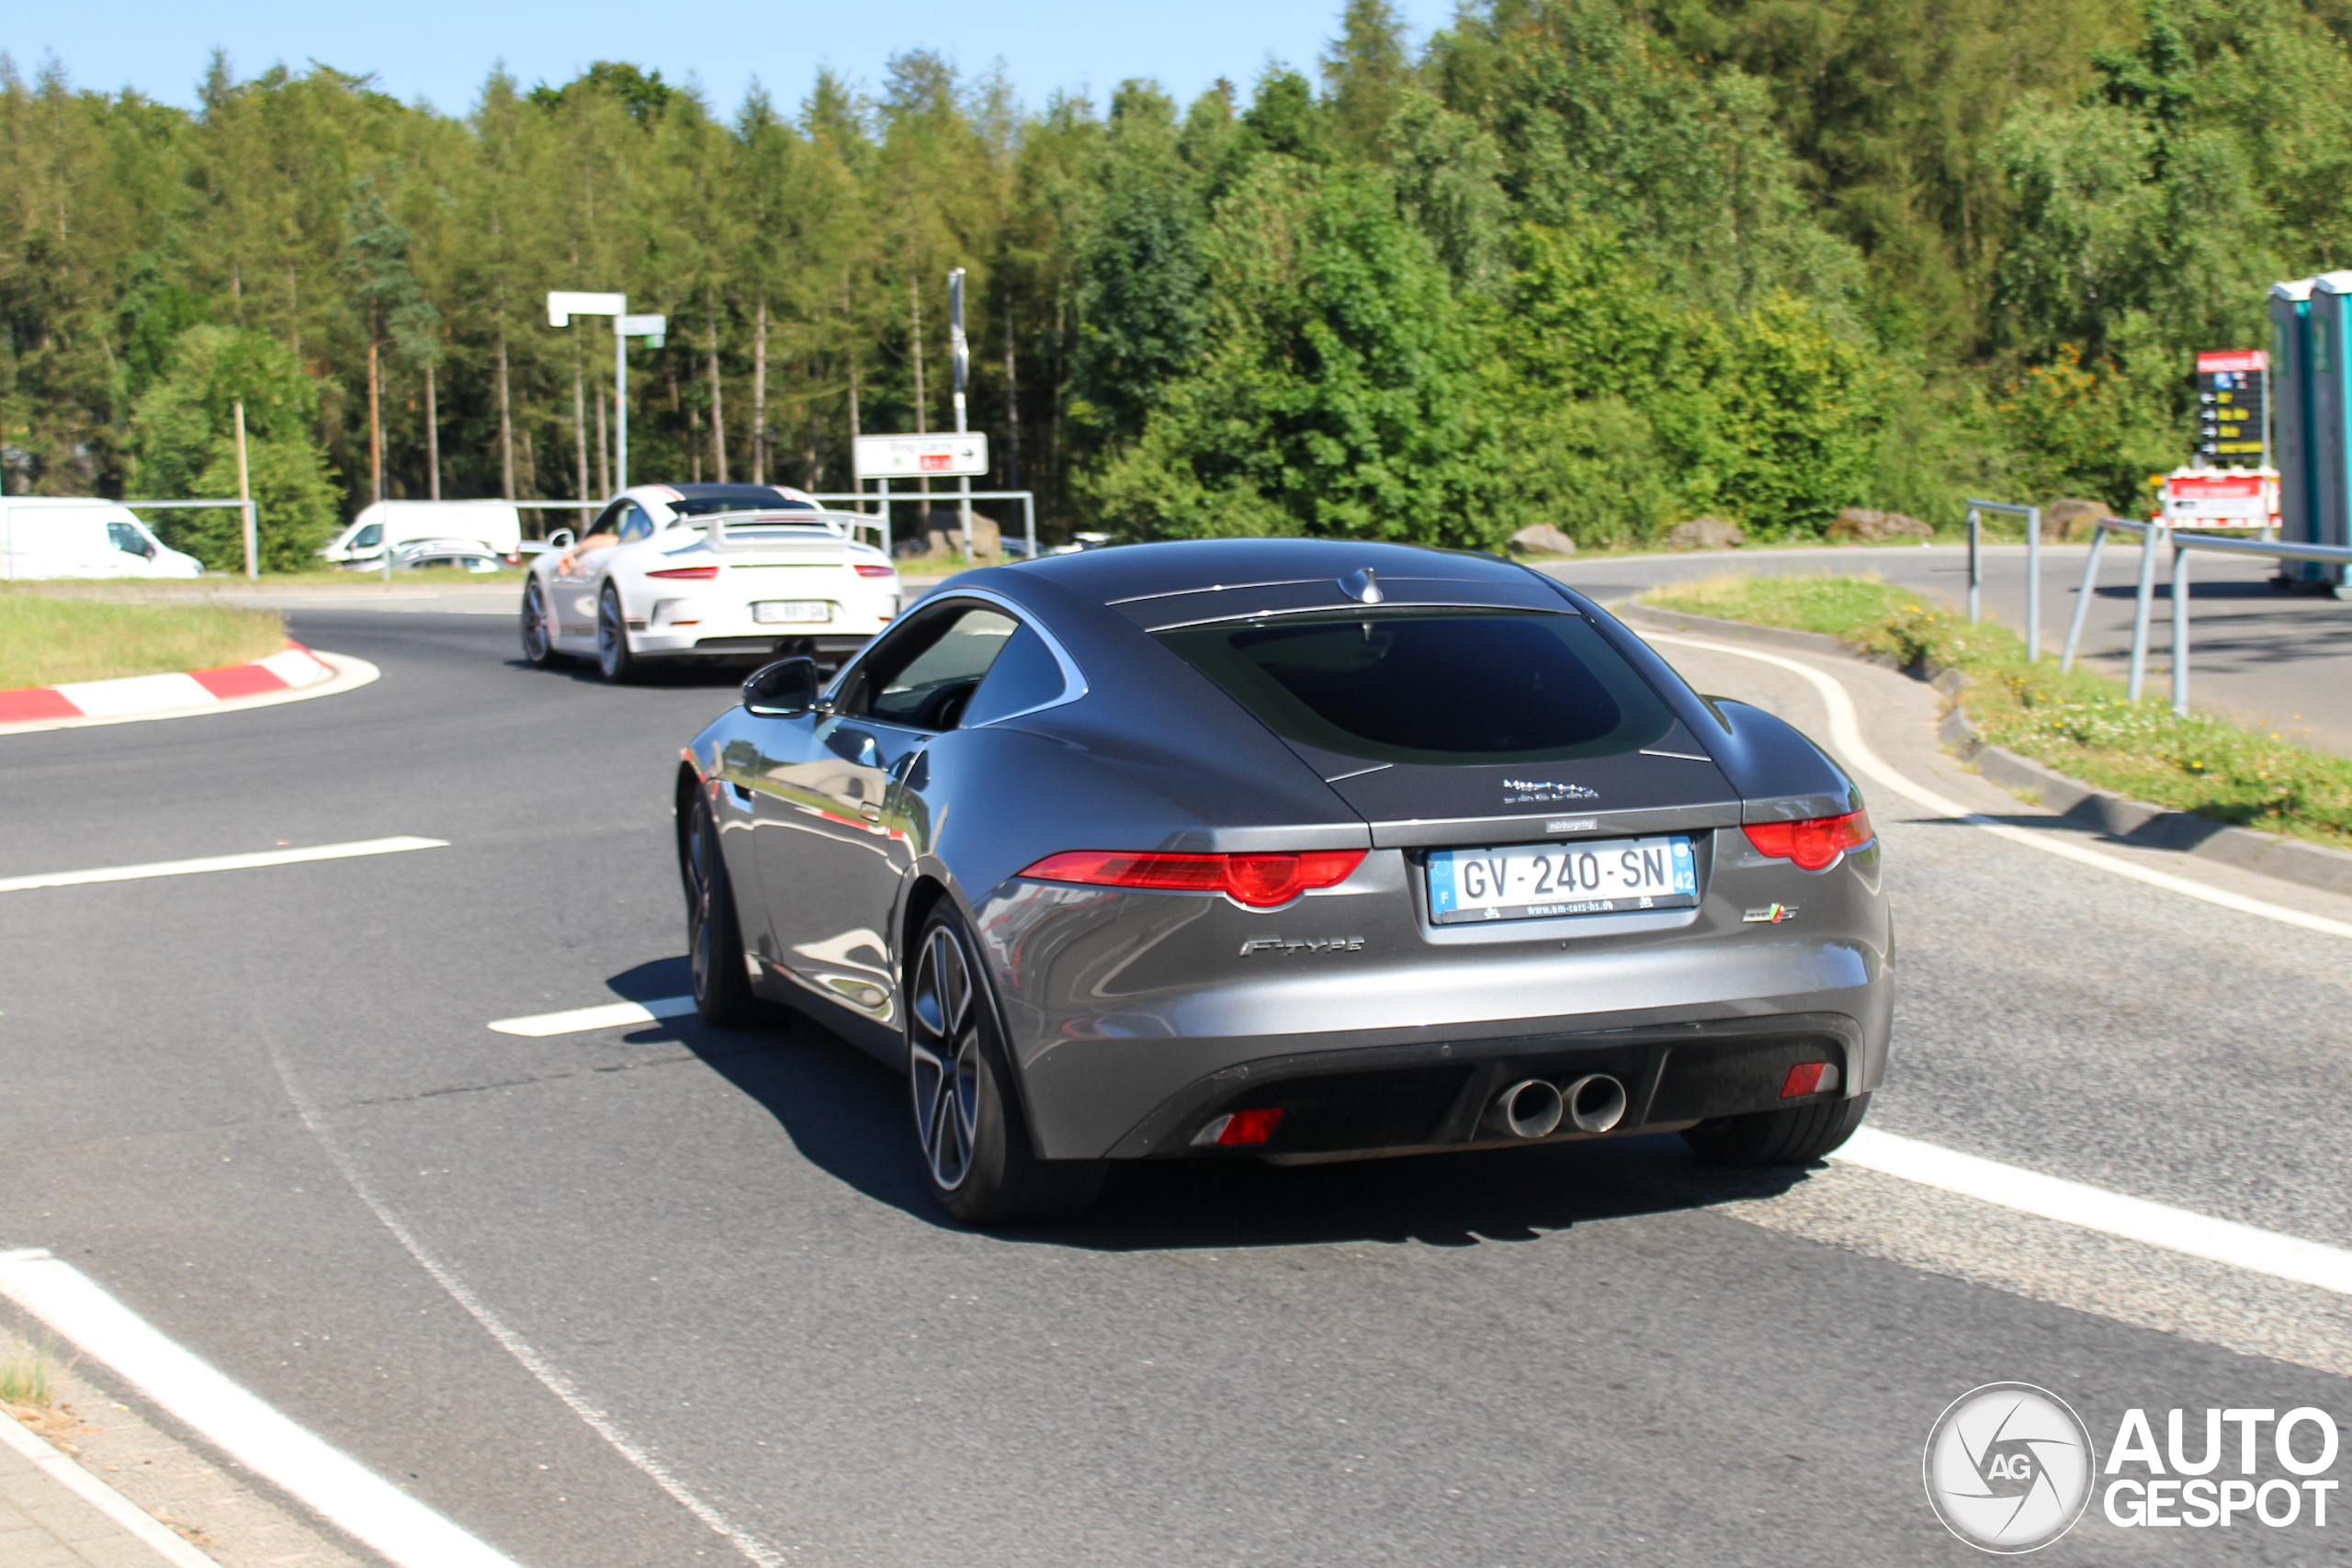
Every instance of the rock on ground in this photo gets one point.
(1865, 525)
(1705, 534)
(2071, 517)
(1540, 540)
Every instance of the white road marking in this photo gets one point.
(220, 863)
(354, 1498)
(1845, 739)
(2095, 1209)
(552, 1378)
(612, 1015)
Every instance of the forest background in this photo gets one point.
(1592, 263)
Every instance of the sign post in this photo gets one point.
(564, 304)
(961, 353)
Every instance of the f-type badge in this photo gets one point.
(1774, 913)
(1319, 944)
(1543, 792)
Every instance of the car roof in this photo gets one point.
(771, 495)
(1126, 572)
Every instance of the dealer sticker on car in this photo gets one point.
(1530, 881)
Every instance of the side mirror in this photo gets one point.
(562, 539)
(779, 690)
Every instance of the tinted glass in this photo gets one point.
(635, 525)
(1445, 687)
(1027, 675)
(704, 505)
(924, 676)
(125, 537)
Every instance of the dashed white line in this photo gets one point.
(346, 1492)
(1845, 739)
(220, 863)
(612, 1015)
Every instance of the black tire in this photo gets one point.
(974, 1145)
(714, 930)
(613, 661)
(1798, 1136)
(539, 643)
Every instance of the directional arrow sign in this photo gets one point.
(920, 456)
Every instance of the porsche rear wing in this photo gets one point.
(782, 528)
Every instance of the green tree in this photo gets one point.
(184, 435)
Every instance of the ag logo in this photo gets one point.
(2008, 1468)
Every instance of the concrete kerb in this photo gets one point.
(2132, 821)
(348, 674)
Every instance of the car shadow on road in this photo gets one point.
(848, 1114)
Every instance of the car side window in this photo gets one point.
(1025, 677)
(635, 525)
(126, 538)
(609, 520)
(924, 676)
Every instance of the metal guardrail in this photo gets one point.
(2154, 537)
(2032, 516)
(1027, 497)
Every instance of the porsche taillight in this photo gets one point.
(867, 569)
(699, 573)
(1260, 881)
(1814, 843)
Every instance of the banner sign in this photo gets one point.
(2220, 498)
(920, 456)
(2232, 419)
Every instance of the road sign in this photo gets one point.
(2233, 426)
(564, 304)
(654, 327)
(2220, 498)
(921, 456)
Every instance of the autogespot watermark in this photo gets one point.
(2009, 1468)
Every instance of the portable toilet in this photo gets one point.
(2328, 343)
(2291, 413)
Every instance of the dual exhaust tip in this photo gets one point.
(1534, 1108)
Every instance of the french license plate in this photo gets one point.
(768, 612)
(1593, 876)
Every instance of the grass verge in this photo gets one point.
(2079, 723)
(44, 640)
(26, 1376)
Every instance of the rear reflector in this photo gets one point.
(1260, 881)
(699, 573)
(866, 569)
(1809, 1077)
(1814, 843)
(1240, 1128)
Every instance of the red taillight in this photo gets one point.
(1260, 881)
(1243, 1127)
(1808, 1078)
(699, 573)
(1814, 843)
(866, 569)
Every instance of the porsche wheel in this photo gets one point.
(713, 932)
(538, 647)
(1797, 1136)
(973, 1141)
(613, 661)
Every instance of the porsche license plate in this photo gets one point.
(1593, 876)
(768, 612)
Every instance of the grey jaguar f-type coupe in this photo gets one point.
(1302, 849)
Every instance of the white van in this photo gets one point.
(496, 526)
(43, 535)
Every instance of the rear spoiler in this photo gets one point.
(753, 530)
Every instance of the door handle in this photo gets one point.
(870, 811)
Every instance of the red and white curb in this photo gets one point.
(282, 677)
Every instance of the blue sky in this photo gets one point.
(441, 49)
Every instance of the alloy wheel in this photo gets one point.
(612, 644)
(535, 624)
(700, 845)
(943, 1037)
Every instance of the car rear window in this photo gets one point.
(1447, 687)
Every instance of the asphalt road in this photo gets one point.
(263, 1108)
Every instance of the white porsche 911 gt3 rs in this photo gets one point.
(695, 570)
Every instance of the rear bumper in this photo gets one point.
(1408, 1099)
